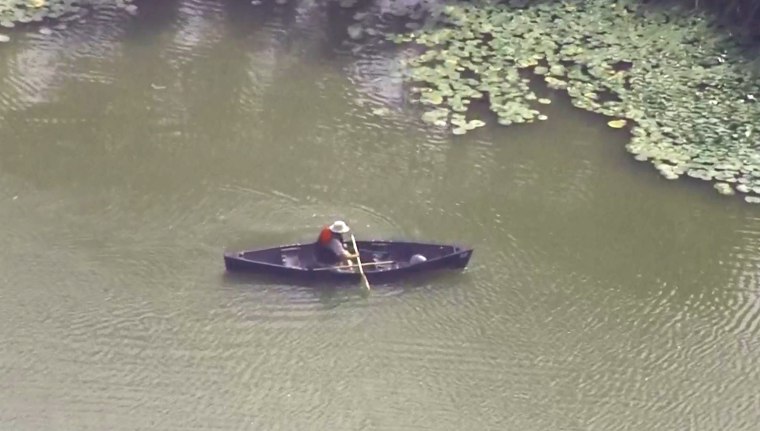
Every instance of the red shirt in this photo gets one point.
(329, 246)
(325, 235)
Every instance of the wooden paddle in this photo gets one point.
(359, 262)
(333, 268)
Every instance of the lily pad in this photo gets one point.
(689, 119)
(724, 188)
(474, 124)
(435, 115)
(557, 69)
(458, 119)
(556, 84)
(431, 98)
(617, 124)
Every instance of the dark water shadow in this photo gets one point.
(153, 18)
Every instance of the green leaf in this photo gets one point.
(435, 115)
(724, 188)
(617, 124)
(431, 98)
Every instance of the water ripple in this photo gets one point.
(196, 27)
(573, 314)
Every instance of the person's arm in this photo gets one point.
(337, 247)
(350, 255)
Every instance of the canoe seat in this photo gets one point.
(291, 260)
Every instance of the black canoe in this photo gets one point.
(381, 261)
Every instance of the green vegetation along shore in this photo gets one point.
(683, 88)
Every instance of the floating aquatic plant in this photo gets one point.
(682, 88)
(30, 11)
(617, 124)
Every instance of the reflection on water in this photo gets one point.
(134, 150)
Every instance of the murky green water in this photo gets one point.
(135, 150)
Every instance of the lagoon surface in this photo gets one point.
(134, 150)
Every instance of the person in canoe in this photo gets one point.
(330, 247)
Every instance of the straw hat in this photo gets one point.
(339, 227)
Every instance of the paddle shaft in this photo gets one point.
(359, 261)
(385, 262)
